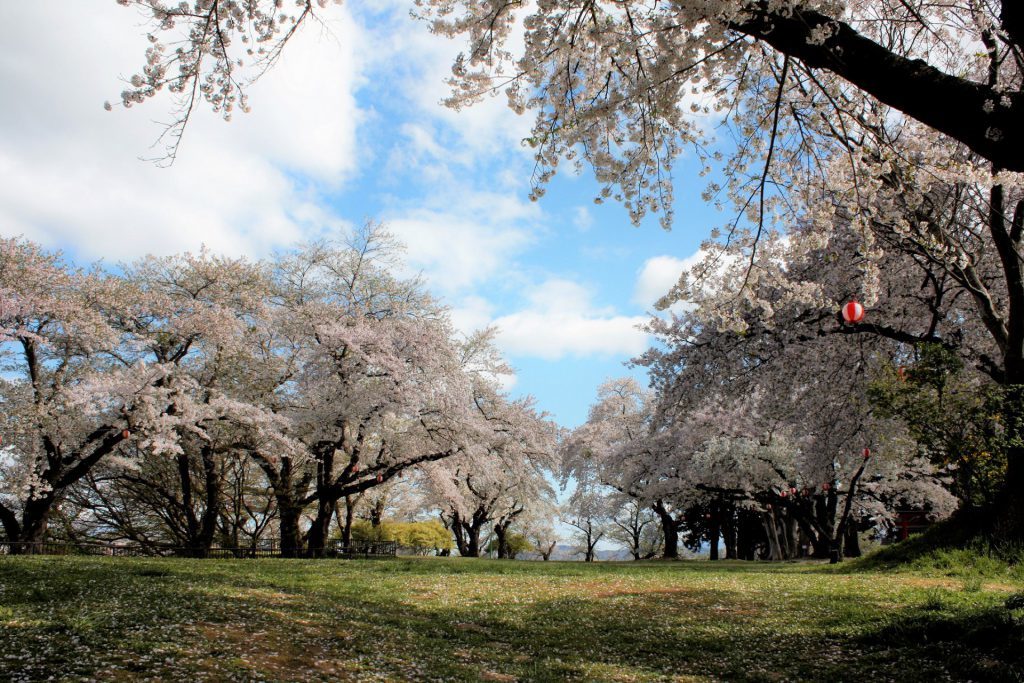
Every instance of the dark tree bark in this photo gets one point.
(951, 105)
(729, 530)
(670, 529)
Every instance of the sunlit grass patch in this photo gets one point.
(460, 619)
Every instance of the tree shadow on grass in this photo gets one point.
(985, 644)
(326, 621)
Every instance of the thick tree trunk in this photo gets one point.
(316, 539)
(212, 501)
(851, 548)
(772, 533)
(670, 529)
(288, 519)
(472, 543)
(467, 533)
(1010, 515)
(31, 531)
(501, 532)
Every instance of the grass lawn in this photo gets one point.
(122, 619)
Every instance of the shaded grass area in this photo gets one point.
(952, 548)
(458, 619)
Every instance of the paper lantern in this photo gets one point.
(867, 453)
(853, 312)
(793, 490)
(125, 433)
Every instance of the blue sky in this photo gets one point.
(347, 128)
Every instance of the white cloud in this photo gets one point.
(658, 275)
(561, 321)
(465, 240)
(72, 174)
(582, 219)
(473, 313)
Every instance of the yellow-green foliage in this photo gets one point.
(430, 534)
(517, 543)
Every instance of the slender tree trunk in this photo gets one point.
(729, 530)
(714, 530)
(377, 512)
(346, 528)
(546, 554)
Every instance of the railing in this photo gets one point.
(264, 548)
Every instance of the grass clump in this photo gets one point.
(946, 549)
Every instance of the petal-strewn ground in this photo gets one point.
(123, 619)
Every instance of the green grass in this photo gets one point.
(124, 619)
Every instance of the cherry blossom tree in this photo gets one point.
(53, 337)
(377, 385)
(503, 479)
(200, 325)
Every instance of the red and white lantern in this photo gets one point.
(867, 453)
(125, 434)
(853, 311)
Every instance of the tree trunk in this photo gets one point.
(771, 532)
(346, 527)
(316, 539)
(501, 532)
(377, 512)
(32, 528)
(714, 530)
(851, 548)
(729, 530)
(212, 500)
(670, 529)
(472, 543)
(1010, 516)
(291, 539)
